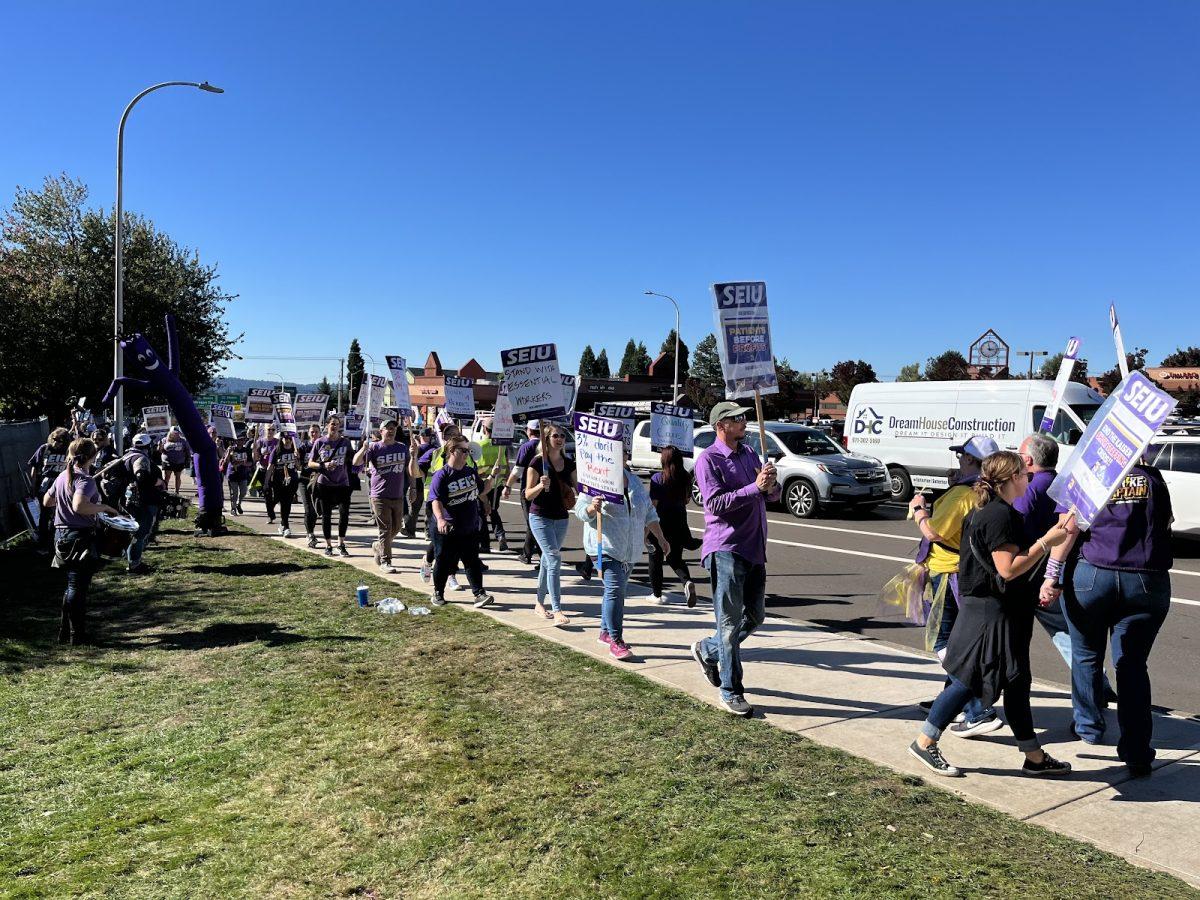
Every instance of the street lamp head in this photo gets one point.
(648, 293)
(211, 88)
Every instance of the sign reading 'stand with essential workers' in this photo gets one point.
(534, 381)
(1114, 442)
(599, 457)
(672, 426)
(744, 338)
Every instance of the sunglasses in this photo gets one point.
(558, 437)
(738, 418)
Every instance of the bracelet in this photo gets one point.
(1045, 547)
(1054, 569)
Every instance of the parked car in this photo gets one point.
(644, 460)
(814, 471)
(1178, 456)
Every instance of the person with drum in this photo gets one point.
(75, 499)
(175, 454)
(47, 461)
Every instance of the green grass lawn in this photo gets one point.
(244, 730)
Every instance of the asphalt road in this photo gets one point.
(828, 571)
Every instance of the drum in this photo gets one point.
(173, 506)
(114, 534)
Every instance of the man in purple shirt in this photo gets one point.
(735, 486)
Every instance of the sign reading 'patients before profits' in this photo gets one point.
(744, 338)
(623, 414)
(222, 420)
(460, 397)
(1114, 442)
(599, 457)
(671, 426)
(398, 366)
(534, 381)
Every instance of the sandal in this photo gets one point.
(540, 611)
(561, 619)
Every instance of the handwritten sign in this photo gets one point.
(398, 366)
(671, 426)
(599, 458)
(534, 381)
(460, 397)
(744, 338)
(503, 428)
(222, 420)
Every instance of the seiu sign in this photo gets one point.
(609, 428)
(740, 294)
(521, 355)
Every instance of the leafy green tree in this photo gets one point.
(602, 370)
(1189, 358)
(1110, 379)
(949, 366)
(587, 363)
(911, 372)
(1049, 370)
(848, 373)
(56, 286)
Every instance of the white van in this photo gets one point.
(911, 425)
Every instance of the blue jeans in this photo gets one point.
(973, 710)
(1054, 621)
(740, 606)
(550, 534)
(146, 516)
(1133, 606)
(612, 606)
(955, 697)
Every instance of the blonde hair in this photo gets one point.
(81, 451)
(1001, 466)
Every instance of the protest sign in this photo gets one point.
(1114, 442)
(377, 386)
(623, 414)
(570, 392)
(599, 461)
(352, 426)
(310, 408)
(157, 420)
(1060, 383)
(503, 428)
(222, 419)
(398, 366)
(671, 426)
(744, 338)
(284, 414)
(534, 382)
(259, 407)
(1122, 362)
(460, 397)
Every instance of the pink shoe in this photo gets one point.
(605, 638)
(619, 650)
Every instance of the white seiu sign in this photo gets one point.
(460, 397)
(157, 420)
(671, 426)
(599, 460)
(1060, 383)
(623, 414)
(503, 427)
(398, 366)
(1122, 362)
(534, 381)
(222, 420)
(744, 338)
(310, 408)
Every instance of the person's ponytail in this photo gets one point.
(1001, 466)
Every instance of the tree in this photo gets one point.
(848, 373)
(643, 359)
(1110, 379)
(325, 387)
(56, 286)
(668, 347)
(911, 372)
(602, 369)
(587, 363)
(1049, 370)
(949, 366)
(354, 368)
(793, 394)
(628, 360)
(1189, 358)
(705, 382)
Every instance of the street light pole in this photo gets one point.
(280, 377)
(119, 275)
(1032, 354)
(675, 383)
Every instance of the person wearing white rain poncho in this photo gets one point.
(624, 529)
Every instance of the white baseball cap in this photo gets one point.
(979, 446)
(533, 425)
(142, 440)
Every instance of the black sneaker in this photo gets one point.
(933, 760)
(986, 725)
(503, 545)
(1110, 697)
(525, 559)
(711, 670)
(438, 599)
(482, 600)
(329, 551)
(926, 705)
(689, 592)
(342, 551)
(1139, 770)
(1047, 767)
(140, 569)
(584, 570)
(312, 540)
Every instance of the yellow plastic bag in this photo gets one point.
(906, 592)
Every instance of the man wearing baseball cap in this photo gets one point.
(146, 479)
(941, 531)
(735, 485)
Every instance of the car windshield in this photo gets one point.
(807, 442)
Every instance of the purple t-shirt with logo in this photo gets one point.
(175, 453)
(1133, 532)
(282, 459)
(458, 491)
(336, 456)
(1039, 511)
(47, 461)
(239, 463)
(64, 513)
(389, 463)
(265, 447)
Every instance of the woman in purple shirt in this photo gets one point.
(175, 453)
(75, 499)
(330, 459)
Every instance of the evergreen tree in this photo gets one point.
(705, 382)
(354, 368)
(629, 360)
(587, 363)
(643, 359)
(325, 387)
(602, 370)
(911, 372)
(668, 347)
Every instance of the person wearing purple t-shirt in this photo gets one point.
(735, 485)
(454, 493)
(525, 454)
(390, 463)
(175, 453)
(283, 476)
(75, 499)
(330, 459)
(1118, 583)
(307, 487)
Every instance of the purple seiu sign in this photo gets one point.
(600, 457)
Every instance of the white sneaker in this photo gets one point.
(280, 531)
(287, 532)
(452, 584)
(426, 572)
(387, 569)
(657, 599)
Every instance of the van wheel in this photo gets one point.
(800, 498)
(696, 498)
(902, 489)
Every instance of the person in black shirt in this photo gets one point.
(988, 652)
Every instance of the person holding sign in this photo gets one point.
(625, 528)
(525, 454)
(550, 490)
(330, 459)
(308, 485)
(988, 653)
(236, 466)
(454, 493)
(670, 491)
(735, 487)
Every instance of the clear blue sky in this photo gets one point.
(473, 176)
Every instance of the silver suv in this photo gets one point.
(814, 471)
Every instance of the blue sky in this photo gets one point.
(474, 176)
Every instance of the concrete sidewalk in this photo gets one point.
(861, 697)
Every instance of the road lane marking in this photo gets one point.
(895, 537)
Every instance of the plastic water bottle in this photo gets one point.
(391, 605)
(418, 610)
(363, 596)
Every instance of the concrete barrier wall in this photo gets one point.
(18, 441)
